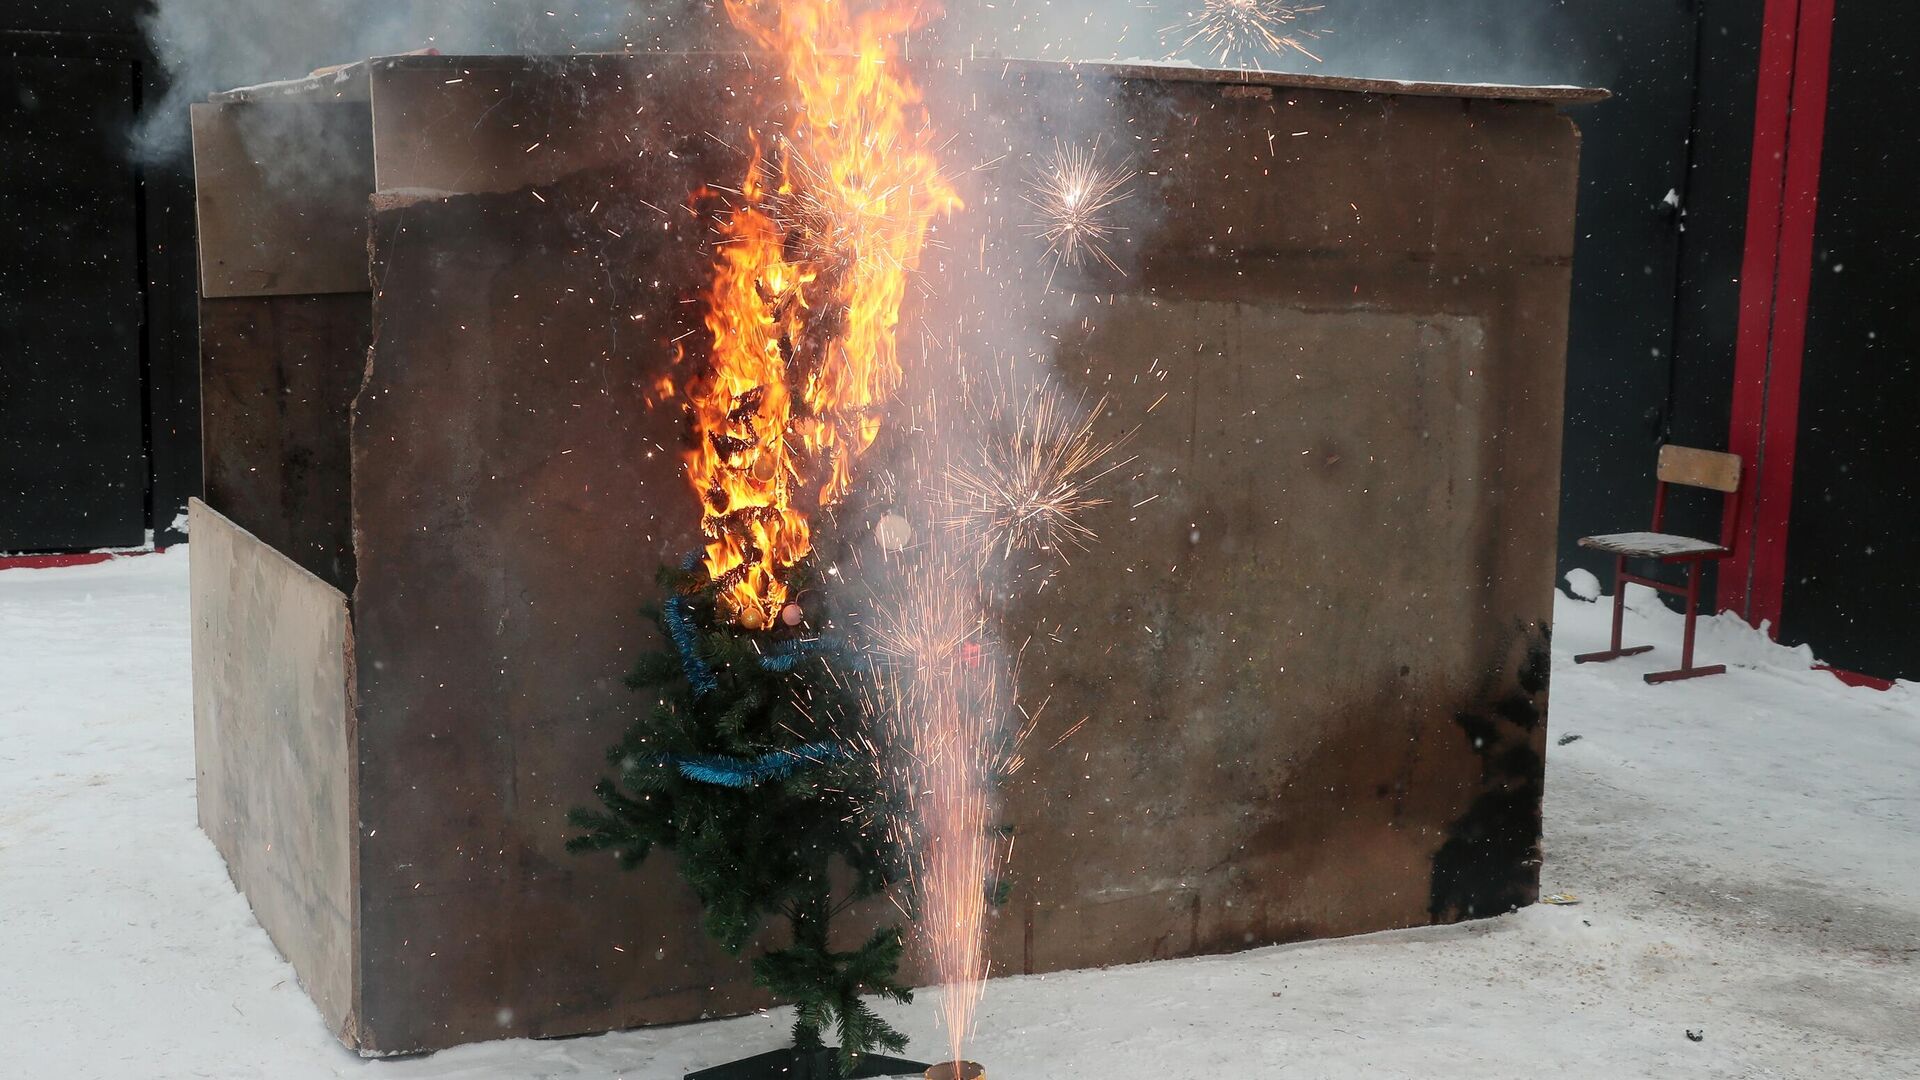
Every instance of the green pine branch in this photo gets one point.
(762, 851)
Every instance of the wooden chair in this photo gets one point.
(1689, 468)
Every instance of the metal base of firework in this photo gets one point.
(793, 1065)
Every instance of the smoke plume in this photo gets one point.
(211, 45)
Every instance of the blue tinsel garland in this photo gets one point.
(787, 655)
(729, 771)
(686, 640)
(748, 772)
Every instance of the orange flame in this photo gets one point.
(804, 306)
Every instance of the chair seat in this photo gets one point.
(1652, 545)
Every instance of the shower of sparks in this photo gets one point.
(1074, 194)
(942, 683)
(1239, 32)
(827, 225)
(1028, 482)
(943, 698)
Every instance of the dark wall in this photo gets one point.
(98, 406)
(1712, 243)
(1853, 557)
(1622, 354)
(1652, 361)
(110, 17)
(72, 451)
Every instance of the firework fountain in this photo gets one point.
(816, 247)
(1072, 195)
(1010, 475)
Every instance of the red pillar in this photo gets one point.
(1782, 207)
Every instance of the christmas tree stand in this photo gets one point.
(793, 1064)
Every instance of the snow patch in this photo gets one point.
(1742, 847)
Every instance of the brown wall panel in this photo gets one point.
(514, 496)
(282, 197)
(277, 376)
(273, 749)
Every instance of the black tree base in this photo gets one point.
(793, 1065)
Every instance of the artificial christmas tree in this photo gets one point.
(753, 764)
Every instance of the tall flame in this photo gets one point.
(804, 305)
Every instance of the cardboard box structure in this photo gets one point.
(1311, 646)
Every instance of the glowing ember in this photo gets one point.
(1241, 31)
(806, 294)
(1074, 194)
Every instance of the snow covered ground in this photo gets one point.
(1746, 851)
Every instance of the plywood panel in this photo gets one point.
(1274, 645)
(277, 376)
(515, 497)
(1700, 468)
(273, 739)
(533, 123)
(282, 197)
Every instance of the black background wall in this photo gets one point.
(1853, 562)
(1652, 361)
(98, 411)
(1662, 220)
(1711, 246)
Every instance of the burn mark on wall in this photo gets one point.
(1490, 862)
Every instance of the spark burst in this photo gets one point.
(1074, 194)
(943, 683)
(1239, 32)
(1029, 481)
(832, 226)
(944, 693)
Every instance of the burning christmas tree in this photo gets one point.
(809, 715)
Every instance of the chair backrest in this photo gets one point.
(1699, 468)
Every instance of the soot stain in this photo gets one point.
(1489, 864)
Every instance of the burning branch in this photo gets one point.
(805, 300)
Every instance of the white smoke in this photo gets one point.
(211, 45)
(1473, 41)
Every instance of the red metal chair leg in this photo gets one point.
(1686, 670)
(1619, 616)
